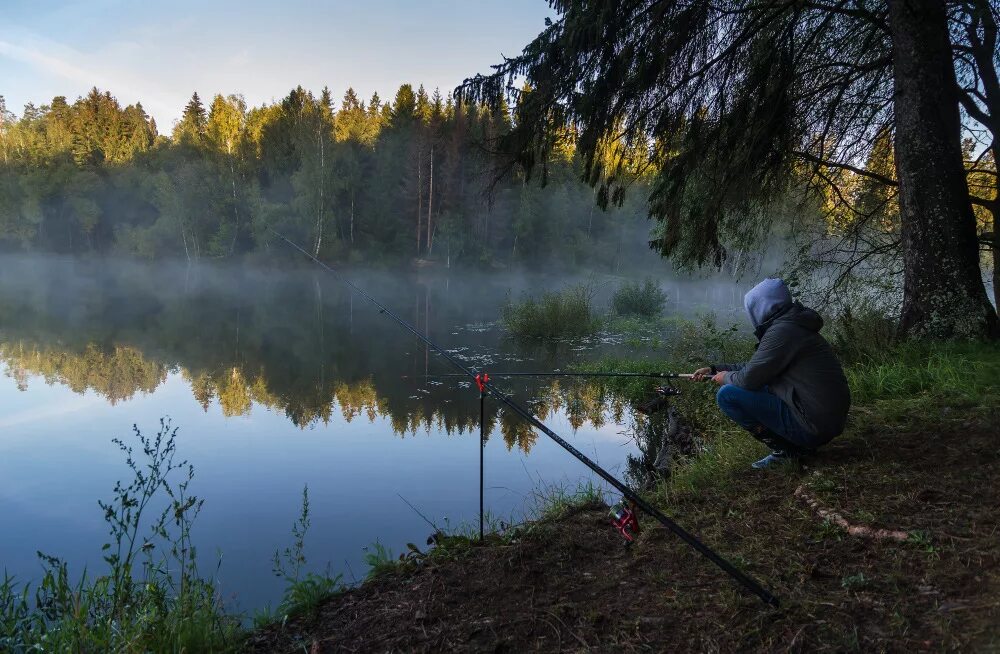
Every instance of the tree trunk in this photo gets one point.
(943, 291)
(187, 252)
(420, 201)
(236, 213)
(430, 202)
(995, 249)
(322, 196)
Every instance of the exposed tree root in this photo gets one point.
(854, 530)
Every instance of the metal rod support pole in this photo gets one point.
(482, 446)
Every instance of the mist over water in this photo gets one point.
(277, 378)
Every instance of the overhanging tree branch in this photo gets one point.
(882, 179)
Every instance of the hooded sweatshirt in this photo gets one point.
(793, 360)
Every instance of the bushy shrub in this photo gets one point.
(638, 299)
(565, 314)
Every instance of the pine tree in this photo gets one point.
(404, 107)
(377, 118)
(422, 104)
(58, 128)
(193, 123)
(139, 133)
(87, 137)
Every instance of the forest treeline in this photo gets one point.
(355, 180)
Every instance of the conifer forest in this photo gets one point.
(357, 180)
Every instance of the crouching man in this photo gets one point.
(792, 395)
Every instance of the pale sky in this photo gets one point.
(159, 52)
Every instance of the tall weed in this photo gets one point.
(303, 592)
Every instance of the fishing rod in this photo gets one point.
(486, 386)
(650, 375)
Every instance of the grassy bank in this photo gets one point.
(919, 460)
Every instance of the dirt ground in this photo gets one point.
(571, 584)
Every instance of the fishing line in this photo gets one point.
(746, 581)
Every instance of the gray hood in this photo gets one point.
(802, 316)
(766, 300)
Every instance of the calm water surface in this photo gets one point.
(275, 380)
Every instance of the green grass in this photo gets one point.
(547, 503)
(644, 299)
(726, 454)
(861, 332)
(554, 501)
(964, 372)
(565, 314)
(380, 560)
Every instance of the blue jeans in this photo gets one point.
(755, 409)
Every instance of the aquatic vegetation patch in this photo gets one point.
(633, 298)
(568, 313)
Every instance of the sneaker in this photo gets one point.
(774, 458)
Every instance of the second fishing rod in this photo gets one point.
(744, 580)
(645, 375)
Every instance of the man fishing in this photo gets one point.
(792, 395)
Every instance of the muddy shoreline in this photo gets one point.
(570, 584)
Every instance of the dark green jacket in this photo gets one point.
(799, 366)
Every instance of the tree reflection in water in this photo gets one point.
(291, 342)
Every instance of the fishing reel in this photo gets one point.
(659, 401)
(625, 521)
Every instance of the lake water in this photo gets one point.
(276, 380)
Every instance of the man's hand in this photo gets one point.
(720, 378)
(701, 374)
